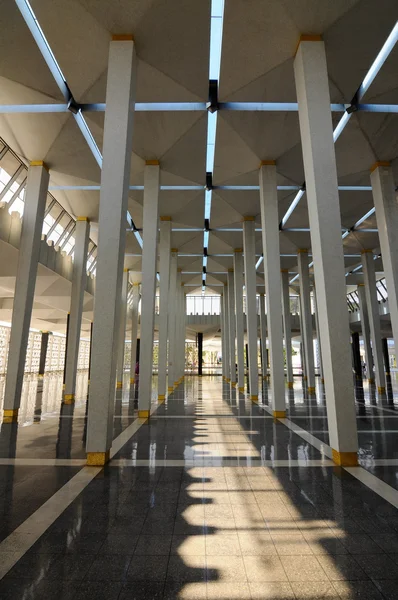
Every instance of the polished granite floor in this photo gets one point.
(212, 498)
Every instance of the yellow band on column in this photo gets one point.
(69, 398)
(119, 385)
(290, 384)
(97, 459)
(311, 390)
(10, 415)
(144, 414)
(254, 398)
(345, 459)
(279, 414)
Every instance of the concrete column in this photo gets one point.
(305, 294)
(369, 276)
(148, 286)
(200, 353)
(223, 370)
(79, 277)
(386, 355)
(164, 270)
(43, 352)
(356, 356)
(263, 337)
(240, 327)
(316, 128)
(135, 299)
(363, 311)
(318, 335)
(272, 274)
(384, 198)
(225, 333)
(122, 330)
(249, 251)
(302, 348)
(183, 330)
(287, 326)
(172, 319)
(29, 250)
(115, 177)
(232, 327)
(177, 372)
(66, 349)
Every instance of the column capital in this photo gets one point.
(82, 219)
(380, 163)
(164, 218)
(302, 250)
(307, 37)
(124, 37)
(152, 163)
(248, 218)
(237, 250)
(39, 163)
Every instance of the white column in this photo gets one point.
(272, 274)
(305, 294)
(302, 345)
(79, 277)
(28, 258)
(249, 250)
(287, 326)
(384, 198)
(364, 314)
(263, 337)
(134, 329)
(316, 128)
(369, 277)
(240, 327)
(318, 338)
(232, 327)
(183, 330)
(177, 371)
(164, 271)
(172, 319)
(223, 346)
(115, 178)
(150, 226)
(225, 333)
(122, 330)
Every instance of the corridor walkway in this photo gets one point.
(212, 498)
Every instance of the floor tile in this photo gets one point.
(141, 590)
(191, 545)
(185, 591)
(186, 568)
(378, 566)
(314, 590)
(148, 568)
(153, 545)
(342, 567)
(109, 568)
(303, 568)
(225, 568)
(271, 591)
(350, 590)
(264, 569)
(288, 544)
(223, 544)
(238, 590)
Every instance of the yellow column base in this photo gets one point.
(170, 389)
(131, 381)
(241, 389)
(279, 414)
(290, 385)
(381, 390)
(228, 380)
(254, 398)
(345, 459)
(371, 381)
(119, 385)
(97, 459)
(161, 398)
(305, 377)
(144, 414)
(322, 380)
(10, 415)
(233, 383)
(69, 398)
(311, 390)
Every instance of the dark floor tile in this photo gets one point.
(342, 567)
(148, 568)
(142, 590)
(109, 568)
(153, 545)
(102, 590)
(70, 567)
(387, 587)
(191, 569)
(387, 541)
(351, 590)
(31, 564)
(17, 589)
(119, 544)
(378, 566)
(360, 543)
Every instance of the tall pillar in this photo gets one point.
(317, 335)
(386, 355)
(225, 333)
(164, 270)
(79, 277)
(369, 275)
(122, 330)
(287, 326)
(240, 327)
(305, 295)
(263, 337)
(172, 319)
(134, 330)
(115, 177)
(270, 238)
(316, 129)
(232, 327)
(28, 258)
(66, 349)
(180, 331)
(356, 355)
(43, 352)
(363, 311)
(200, 353)
(384, 198)
(249, 251)
(148, 287)
(223, 369)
